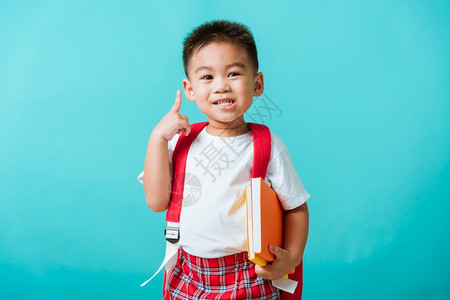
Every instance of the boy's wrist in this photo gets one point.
(294, 259)
(157, 138)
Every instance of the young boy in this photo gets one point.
(221, 65)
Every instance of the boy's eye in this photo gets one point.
(207, 77)
(233, 74)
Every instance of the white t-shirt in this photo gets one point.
(217, 171)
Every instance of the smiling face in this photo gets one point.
(223, 82)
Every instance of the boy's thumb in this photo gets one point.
(277, 251)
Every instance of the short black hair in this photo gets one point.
(219, 31)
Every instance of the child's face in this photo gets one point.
(223, 82)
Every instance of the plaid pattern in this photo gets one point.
(228, 277)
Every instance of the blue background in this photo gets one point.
(363, 92)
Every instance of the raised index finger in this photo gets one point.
(176, 106)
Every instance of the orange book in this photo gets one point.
(264, 221)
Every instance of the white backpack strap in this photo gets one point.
(171, 252)
(285, 284)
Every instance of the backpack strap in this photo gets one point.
(179, 158)
(261, 149)
(261, 158)
(172, 231)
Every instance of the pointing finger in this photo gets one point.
(176, 106)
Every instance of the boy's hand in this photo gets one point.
(173, 122)
(282, 265)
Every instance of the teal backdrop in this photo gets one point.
(359, 91)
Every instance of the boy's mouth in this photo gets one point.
(224, 102)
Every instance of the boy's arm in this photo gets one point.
(296, 222)
(157, 178)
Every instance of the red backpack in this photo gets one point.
(261, 157)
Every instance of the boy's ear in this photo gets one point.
(259, 84)
(188, 91)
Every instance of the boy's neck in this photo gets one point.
(228, 130)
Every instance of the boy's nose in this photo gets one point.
(221, 86)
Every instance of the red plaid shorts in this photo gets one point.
(228, 277)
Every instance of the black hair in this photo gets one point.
(219, 31)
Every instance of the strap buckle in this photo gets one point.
(172, 234)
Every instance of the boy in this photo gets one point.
(221, 65)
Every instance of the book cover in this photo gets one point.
(264, 221)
